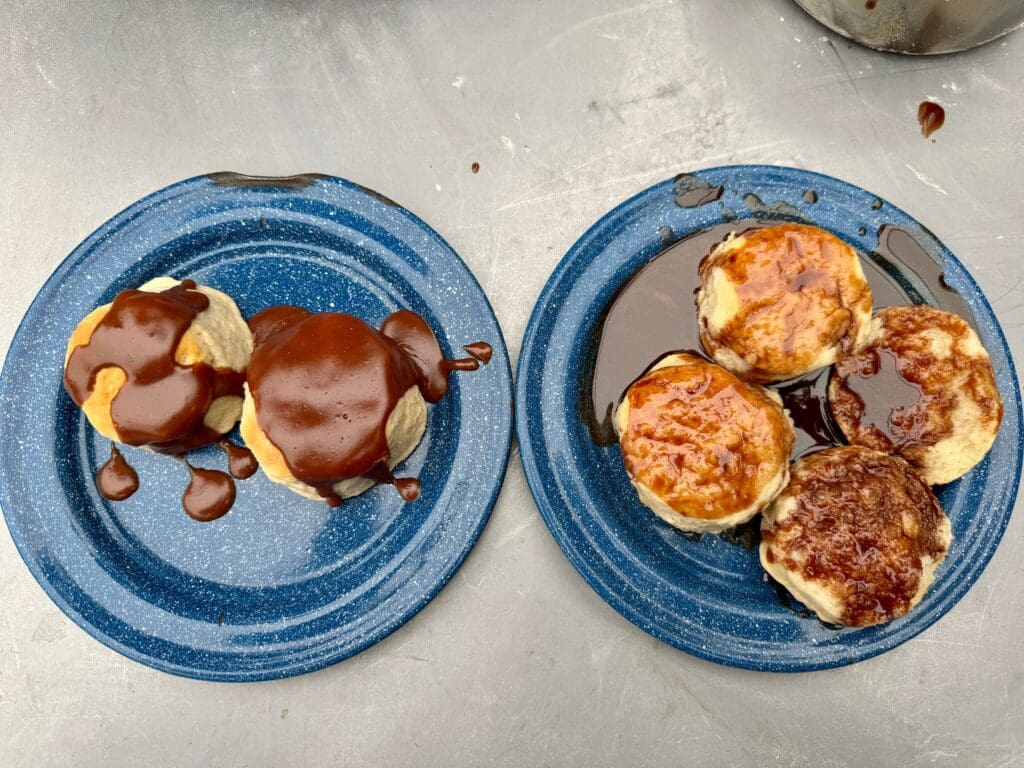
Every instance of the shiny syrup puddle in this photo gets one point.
(654, 314)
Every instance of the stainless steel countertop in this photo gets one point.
(569, 106)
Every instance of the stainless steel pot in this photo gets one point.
(918, 26)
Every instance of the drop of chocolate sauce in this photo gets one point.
(475, 167)
(209, 494)
(116, 479)
(931, 117)
(241, 462)
(481, 350)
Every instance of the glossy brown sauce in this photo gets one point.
(693, 192)
(861, 523)
(241, 462)
(702, 440)
(116, 479)
(325, 384)
(475, 167)
(796, 296)
(162, 403)
(898, 394)
(654, 313)
(888, 403)
(481, 350)
(209, 494)
(931, 117)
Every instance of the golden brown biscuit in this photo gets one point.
(704, 450)
(856, 536)
(778, 302)
(923, 387)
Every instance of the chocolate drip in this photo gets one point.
(481, 350)
(241, 462)
(408, 487)
(209, 495)
(116, 479)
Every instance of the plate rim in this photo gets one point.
(503, 444)
(531, 465)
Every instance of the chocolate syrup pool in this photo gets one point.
(324, 385)
(655, 313)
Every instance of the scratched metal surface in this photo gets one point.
(569, 107)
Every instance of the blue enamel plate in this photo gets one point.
(280, 585)
(711, 598)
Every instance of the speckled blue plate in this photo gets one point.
(280, 585)
(710, 598)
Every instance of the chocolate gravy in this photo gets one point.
(161, 403)
(655, 314)
(116, 479)
(325, 384)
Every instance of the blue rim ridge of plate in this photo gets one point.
(709, 598)
(281, 585)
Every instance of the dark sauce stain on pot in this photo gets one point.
(209, 495)
(654, 314)
(870, 5)
(693, 192)
(667, 236)
(241, 462)
(116, 479)
(931, 117)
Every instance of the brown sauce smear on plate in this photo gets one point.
(325, 384)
